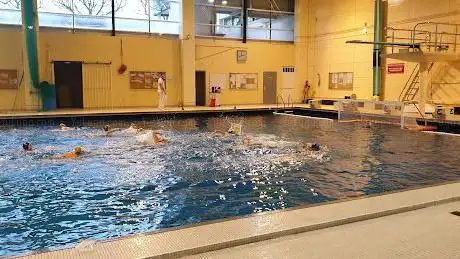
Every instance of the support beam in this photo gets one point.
(29, 28)
(187, 37)
(378, 37)
(113, 18)
(425, 85)
(245, 20)
(301, 52)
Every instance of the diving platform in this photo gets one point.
(424, 57)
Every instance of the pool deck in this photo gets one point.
(416, 223)
(426, 233)
(324, 110)
(144, 110)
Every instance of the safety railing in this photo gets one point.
(411, 87)
(409, 82)
(288, 104)
(426, 37)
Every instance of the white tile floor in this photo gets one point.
(230, 234)
(427, 233)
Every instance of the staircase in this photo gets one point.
(412, 86)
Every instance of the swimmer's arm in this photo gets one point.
(108, 133)
(219, 133)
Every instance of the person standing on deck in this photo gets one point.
(306, 90)
(161, 93)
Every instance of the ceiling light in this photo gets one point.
(211, 1)
(224, 2)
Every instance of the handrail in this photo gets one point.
(414, 29)
(409, 81)
(282, 100)
(434, 36)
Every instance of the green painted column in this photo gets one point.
(378, 37)
(29, 26)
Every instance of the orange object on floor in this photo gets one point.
(213, 103)
(423, 128)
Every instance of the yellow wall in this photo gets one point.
(445, 83)
(322, 27)
(332, 22)
(405, 16)
(140, 53)
(188, 54)
(11, 58)
(219, 56)
(143, 53)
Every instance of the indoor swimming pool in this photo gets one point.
(120, 186)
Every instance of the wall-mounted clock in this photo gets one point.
(241, 55)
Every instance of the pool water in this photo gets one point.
(120, 186)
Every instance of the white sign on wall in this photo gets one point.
(218, 79)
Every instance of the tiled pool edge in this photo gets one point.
(210, 236)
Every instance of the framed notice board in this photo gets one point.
(240, 81)
(8, 79)
(145, 80)
(341, 80)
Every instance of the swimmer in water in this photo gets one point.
(152, 138)
(64, 127)
(313, 147)
(219, 134)
(27, 147)
(132, 129)
(72, 155)
(108, 130)
(235, 129)
(158, 138)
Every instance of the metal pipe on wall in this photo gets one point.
(30, 31)
(378, 37)
(113, 17)
(245, 20)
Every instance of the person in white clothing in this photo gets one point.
(161, 93)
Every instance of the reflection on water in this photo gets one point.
(120, 186)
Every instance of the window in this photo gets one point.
(271, 20)
(81, 14)
(56, 13)
(10, 12)
(219, 18)
(149, 16)
(153, 16)
(267, 19)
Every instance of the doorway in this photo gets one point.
(200, 85)
(270, 87)
(69, 84)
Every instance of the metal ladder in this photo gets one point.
(412, 86)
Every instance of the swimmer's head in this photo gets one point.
(133, 125)
(62, 125)
(315, 147)
(234, 130)
(78, 150)
(106, 128)
(27, 146)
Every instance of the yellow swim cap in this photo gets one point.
(78, 150)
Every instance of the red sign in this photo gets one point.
(397, 68)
